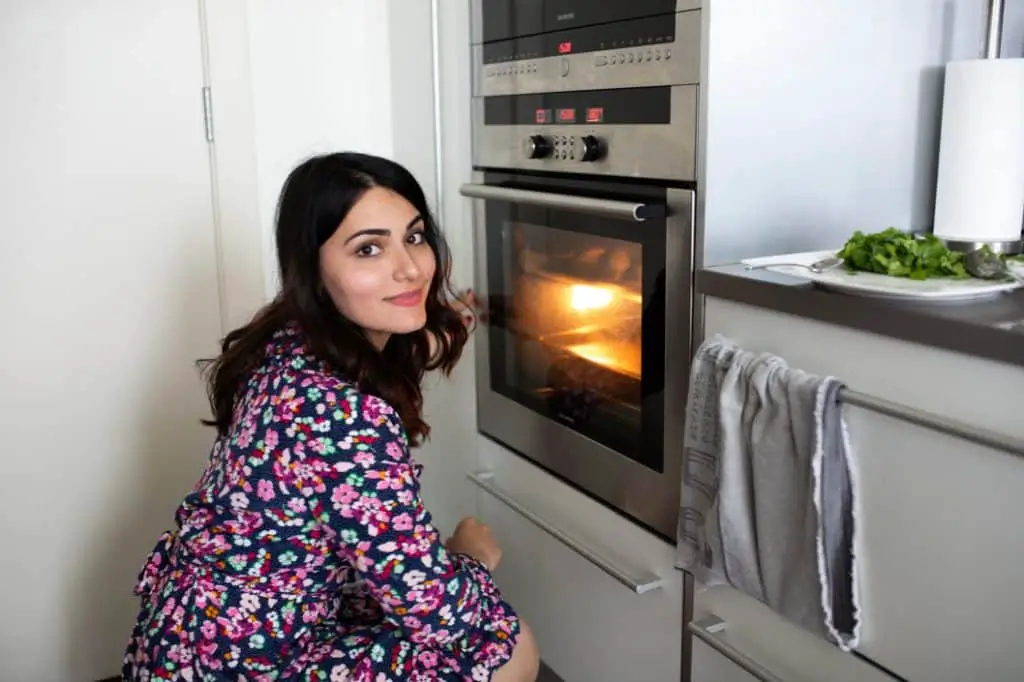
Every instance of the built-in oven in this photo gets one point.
(583, 227)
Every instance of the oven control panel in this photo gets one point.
(583, 148)
(647, 132)
(663, 50)
(634, 132)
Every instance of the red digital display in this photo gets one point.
(595, 114)
(566, 115)
(542, 116)
(565, 47)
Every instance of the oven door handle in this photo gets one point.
(638, 580)
(609, 208)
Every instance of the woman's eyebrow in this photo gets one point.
(376, 232)
(382, 232)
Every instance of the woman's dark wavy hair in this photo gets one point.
(316, 197)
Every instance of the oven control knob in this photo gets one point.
(593, 148)
(537, 147)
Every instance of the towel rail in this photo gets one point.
(951, 427)
(705, 630)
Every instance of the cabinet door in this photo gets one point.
(939, 542)
(108, 295)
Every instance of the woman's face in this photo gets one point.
(377, 266)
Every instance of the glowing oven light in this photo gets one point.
(584, 297)
(595, 353)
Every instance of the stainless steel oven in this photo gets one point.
(583, 224)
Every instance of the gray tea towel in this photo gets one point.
(768, 497)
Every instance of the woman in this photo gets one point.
(304, 551)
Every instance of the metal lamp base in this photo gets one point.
(1010, 248)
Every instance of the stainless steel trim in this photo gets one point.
(994, 34)
(623, 210)
(641, 493)
(476, 21)
(638, 580)
(667, 152)
(705, 630)
(675, 63)
(950, 427)
(435, 47)
(1010, 246)
(686, 643)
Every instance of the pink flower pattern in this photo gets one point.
(305, 554)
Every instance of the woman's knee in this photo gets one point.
(524, 665)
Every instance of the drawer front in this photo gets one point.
(782, 651)
(591, 626)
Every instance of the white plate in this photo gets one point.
(870, 284)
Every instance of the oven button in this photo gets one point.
(593, 148)
(537, 147)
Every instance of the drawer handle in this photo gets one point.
(705, 630)
(637, 580)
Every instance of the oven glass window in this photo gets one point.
(577, 330)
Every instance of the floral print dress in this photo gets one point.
(305, 553)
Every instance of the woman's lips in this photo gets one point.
(408, 299)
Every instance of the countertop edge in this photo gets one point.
(907, 323)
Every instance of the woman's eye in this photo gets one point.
(367, 250)
(417, 238)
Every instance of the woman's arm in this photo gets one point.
(367, 496)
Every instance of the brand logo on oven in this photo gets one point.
(566, 17)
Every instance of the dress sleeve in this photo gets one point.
(365, 493)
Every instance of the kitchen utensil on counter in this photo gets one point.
(817, 267)
(986, 264)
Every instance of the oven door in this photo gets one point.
(582, 365)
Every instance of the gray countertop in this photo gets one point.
(990, 328)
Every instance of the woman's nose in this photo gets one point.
(405, 266)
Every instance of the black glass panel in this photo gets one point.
(648, 31)
(626, 106)
(504, 19)
(577, 312)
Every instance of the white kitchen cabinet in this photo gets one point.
(938, 542)
(591, 628)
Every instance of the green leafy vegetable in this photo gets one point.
(901, 254)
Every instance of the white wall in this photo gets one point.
(823, 116)
(319, 78)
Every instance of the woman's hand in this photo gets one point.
(475, 539)
(468, 306)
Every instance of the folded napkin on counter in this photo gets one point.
(768, 496)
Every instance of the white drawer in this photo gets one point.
(782, 649)
(590, 626)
